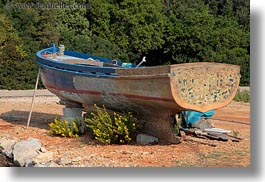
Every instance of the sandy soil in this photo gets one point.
(83, 151)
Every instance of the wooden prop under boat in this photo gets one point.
(157, 93)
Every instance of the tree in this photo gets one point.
(73, 26)
(10, 43)
(166, 32)
(134, 26)
(15, 71)
(239, 10)
(193, 34)
(188, 32)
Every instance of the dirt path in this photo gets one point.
(85, 152)
(24, 93)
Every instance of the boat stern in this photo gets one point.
(204, 86)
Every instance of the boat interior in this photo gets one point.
(81, 61)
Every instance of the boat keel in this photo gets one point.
(162, 127)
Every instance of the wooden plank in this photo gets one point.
(88, 62)
(222, 136)
(210, 135)
(83, 61)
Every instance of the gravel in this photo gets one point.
(86, 152)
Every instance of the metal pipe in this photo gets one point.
(143, 60)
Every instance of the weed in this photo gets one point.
(65, 128)
(235, 133)
(242, 96)
(177, 123)
(118, 128)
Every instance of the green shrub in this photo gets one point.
(118, 128)
(64, 128)
(235, 133)
(242, 96)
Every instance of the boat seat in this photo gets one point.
(83, 61)
(89, 62)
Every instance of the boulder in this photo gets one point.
(43, 158)
(7, 145)
(25, 150)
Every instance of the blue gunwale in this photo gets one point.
(85, 70)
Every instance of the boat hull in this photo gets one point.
(154, 93)
(145, 96)
(199, 87)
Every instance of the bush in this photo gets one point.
(242, 96)
(64, 128)
(118, 128)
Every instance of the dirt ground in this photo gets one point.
(84, 152)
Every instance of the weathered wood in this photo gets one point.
(223, 136)
(83, 61)
(204, 86)
(210, 135)
(200, 142)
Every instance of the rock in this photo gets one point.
(40, 165)
(43, 149)
(29, 153)
(7, 146)
(35, 143)
(29, 163)
(65, 161)
(146, 139)
(25, 150)
(52, 164)
(76, 159)
(49, 164)
(145, 153)
(43, 158)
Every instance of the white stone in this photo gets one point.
(43, 149)
(43, 158)
(146, 139)
(52, 164)
(40, 165)
(25, 150)
(7, 145)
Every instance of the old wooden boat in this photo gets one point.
(155, 93)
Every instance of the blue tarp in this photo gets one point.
(194, 116)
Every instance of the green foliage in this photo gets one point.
(193, 34)
(101, 47)
(166, 32)
(73, 26)
(236, 9)
(188, 32)
(178, 123)
(11, 46)
(235, 133)
(64, 128)
(15, 70)
(17, 75)
(242, 97)
(134, 26)
(108, 129)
